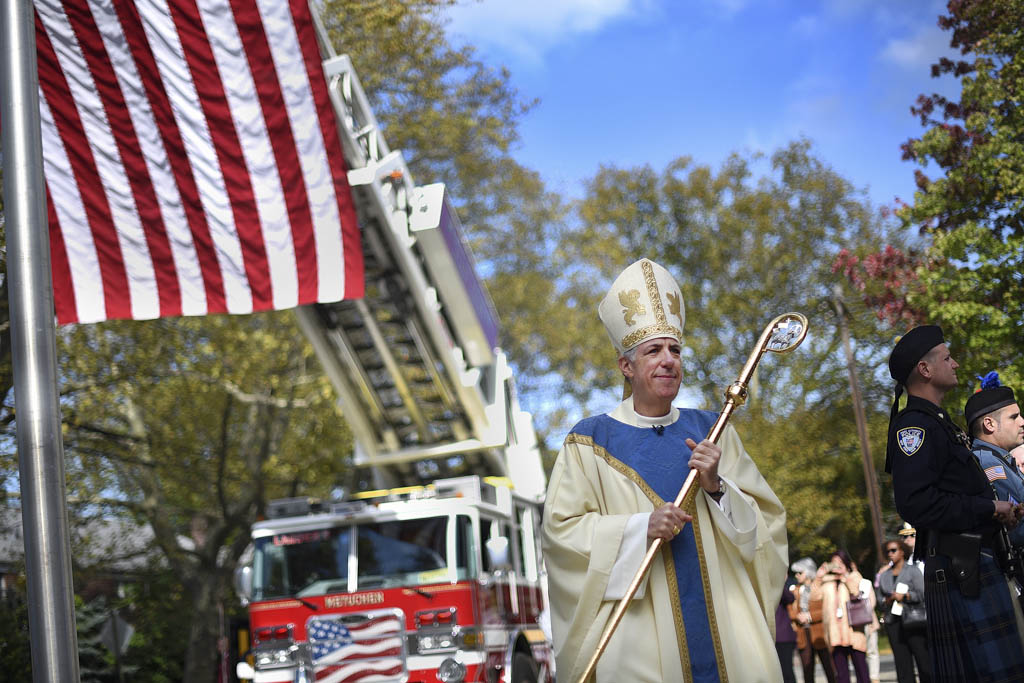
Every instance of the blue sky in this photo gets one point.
(630, 82)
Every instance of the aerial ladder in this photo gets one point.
(421, 380)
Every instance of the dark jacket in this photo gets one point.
(937, 482)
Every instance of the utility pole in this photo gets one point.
(870, 479)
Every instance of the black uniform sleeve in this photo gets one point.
(936, 486)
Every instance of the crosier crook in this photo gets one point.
(782, 335)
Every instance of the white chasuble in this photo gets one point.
(706, 611)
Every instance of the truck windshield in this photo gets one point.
(388, 554)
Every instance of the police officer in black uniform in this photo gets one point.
(941, 489)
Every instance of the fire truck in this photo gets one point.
(430, 568)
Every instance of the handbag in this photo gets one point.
(858, 612)
(914, 617)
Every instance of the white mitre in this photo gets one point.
(644, 302)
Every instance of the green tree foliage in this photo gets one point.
(189, 425)
(15, 654)
(743, 249)
(158, 607)
(970, 279)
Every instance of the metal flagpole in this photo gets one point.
(34, 356)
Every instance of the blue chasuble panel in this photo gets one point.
(660, 460)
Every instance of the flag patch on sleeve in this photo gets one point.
(995, 472)
(909, 439)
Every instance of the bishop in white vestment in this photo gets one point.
(705, 612)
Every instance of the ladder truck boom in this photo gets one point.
(420, 378)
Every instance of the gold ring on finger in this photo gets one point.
(675, 531)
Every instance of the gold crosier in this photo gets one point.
(661, 323)
(782, 335)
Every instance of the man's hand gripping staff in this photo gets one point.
(783, 334)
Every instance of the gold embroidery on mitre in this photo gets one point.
(674, 306)
(653, 293)
(635, 337)
(630, 300)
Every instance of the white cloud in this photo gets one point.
(528, 28)
(918, 51)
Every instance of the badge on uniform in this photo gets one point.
(910, 439)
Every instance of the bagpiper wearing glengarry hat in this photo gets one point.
(940, 488)
(994, 420)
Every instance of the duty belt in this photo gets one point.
(964, 553)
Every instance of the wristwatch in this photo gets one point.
(717, 495)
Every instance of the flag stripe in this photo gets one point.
(351, 279)
(201, 282)
(290, 256)
(192, 159)
(64, 305)
(212, 100)
(89, 187)
(80, 256)
(351, 673)
(299, 107)
(110, 185)
(153, 263)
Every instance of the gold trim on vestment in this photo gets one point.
(616, 464)
(677, 611)
(677, 615)
(723, 675)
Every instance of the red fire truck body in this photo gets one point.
(437, 583)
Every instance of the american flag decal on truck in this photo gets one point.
(364, 647)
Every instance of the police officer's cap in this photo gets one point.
(911, 348)
(990, 398)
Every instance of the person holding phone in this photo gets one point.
(899, 585)
(840, 583)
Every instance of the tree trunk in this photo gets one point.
(201, 657)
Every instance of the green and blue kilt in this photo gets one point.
(972, 639)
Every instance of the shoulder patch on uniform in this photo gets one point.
(995, 472)
(910, 439)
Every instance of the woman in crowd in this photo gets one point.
(839, 584)
(806, 616)
(909, 643)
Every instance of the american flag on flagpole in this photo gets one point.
(192, 159)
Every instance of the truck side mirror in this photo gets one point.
(243, 583)
(497, 553)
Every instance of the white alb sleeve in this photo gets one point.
(736, 518)
(630, 557)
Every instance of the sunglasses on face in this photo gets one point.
(891, 550)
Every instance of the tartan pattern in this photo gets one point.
(972, 639)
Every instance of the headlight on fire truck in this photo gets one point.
(438, 631)
(274, 647)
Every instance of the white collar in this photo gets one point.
(625, 412)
